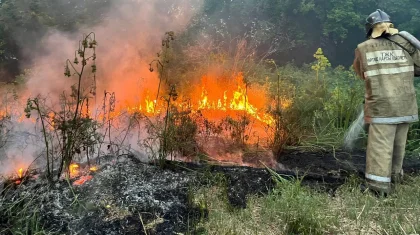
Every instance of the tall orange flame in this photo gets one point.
(240, 98)
(212, 95)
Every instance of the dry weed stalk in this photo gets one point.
(70, 126)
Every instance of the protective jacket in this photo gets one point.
(388, 71)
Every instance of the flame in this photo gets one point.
(74, 170)
(3, 114)
(82, 180)
(214, 96)
(93, 168)
(239, 99)
(20, 173)
(51, 116)
(150, 105)
(20, 176)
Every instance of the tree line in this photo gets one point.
(288, 31)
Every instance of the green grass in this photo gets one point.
(18, 217)
(295, 209)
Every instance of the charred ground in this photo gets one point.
(127, 196)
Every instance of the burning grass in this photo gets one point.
(218, 107)
(219, 97)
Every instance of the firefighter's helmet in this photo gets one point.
(375, 18)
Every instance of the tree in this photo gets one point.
(25, 22)
(290, 29)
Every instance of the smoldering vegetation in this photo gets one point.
(130, 34)
(131, 116)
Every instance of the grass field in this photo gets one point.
(292, 208)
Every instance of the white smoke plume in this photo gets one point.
(128, 38)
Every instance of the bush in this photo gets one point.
(324, 102)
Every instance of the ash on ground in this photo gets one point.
(127, 196)
(123, 197)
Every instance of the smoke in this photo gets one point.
(20, 146)
(129, 36)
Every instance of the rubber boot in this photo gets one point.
(379, 189)
(397, 178)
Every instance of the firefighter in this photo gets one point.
(385, 61)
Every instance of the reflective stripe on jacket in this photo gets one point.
(388, 71)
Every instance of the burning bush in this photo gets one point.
(70, 128)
